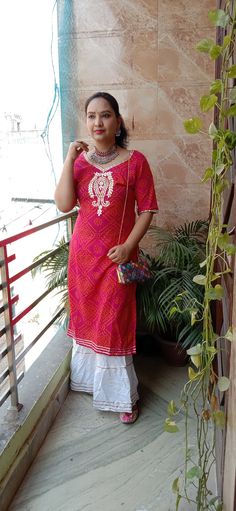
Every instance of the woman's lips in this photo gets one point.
(98, 132)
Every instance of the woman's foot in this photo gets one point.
(130, 417)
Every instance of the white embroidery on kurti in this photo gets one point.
(101, 186)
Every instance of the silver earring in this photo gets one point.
(118, 133)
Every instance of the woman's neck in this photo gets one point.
(104, 148)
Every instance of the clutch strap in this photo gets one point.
(126, 197)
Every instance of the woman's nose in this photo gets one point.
(98, 121)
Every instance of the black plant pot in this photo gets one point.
(173, 353)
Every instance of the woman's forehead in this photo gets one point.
(99, 105)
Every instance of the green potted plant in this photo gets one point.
(55, 269)
(168, 302)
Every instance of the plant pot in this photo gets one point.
(172, 352)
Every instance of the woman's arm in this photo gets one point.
(121, 253)
(65, 197)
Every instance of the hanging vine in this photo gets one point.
(199, 397)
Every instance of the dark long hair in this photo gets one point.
(122, 139)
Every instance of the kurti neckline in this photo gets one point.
(98, 167)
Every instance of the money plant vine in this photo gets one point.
(200, 395)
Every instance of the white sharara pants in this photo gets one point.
(110, 379)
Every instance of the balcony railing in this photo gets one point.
(10, 320)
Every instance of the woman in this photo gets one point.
(103, 311)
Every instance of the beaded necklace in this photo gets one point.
(100, 157)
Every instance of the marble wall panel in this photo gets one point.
(181, 14)
(143, 52)
(110, 15)
(112, 60)
(178, 59)
(177, 102)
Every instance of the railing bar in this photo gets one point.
(37, 228)
(30, 307)
(4, 352)
(33, 265)
(8, 392)
(25, 351)
(4, 397)
(13, 300)
(3, 375)
(3, 331)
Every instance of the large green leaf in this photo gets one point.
(193, 125)
(216, 86)
(219, 17)
(205, 45)
(207, 102)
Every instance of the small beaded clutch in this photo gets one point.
(132, 271)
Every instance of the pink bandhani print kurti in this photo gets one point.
(102, 311)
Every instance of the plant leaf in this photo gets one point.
(200, 279)
(229, 334)
(219, 168)
(216, 86)
(219, 418)
(212, 130)
(193, 125)
(178, 499)
(219, 17)
(208, 174)
(232, 94)
(175, 485)
(215, 51)
(207, 102)
(213, 501)
(192, 374)
(203, 263)
(205, 45)
(226, 41)
(232, 71)
(195, 350)
(212, 350)
(172, 408)
(170, 426)
(194, 472)
(223, 383)
(196, 360)
(231, 112)
(221, 185)
(215, 293)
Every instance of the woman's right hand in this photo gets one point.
(76, 148)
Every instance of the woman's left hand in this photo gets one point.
(119, 254)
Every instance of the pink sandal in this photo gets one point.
(130, 417)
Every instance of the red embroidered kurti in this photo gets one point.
(102, 311)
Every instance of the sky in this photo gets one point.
(27, 84)
(27, 89)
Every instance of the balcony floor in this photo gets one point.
(90, 461)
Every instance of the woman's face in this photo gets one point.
(102, 123)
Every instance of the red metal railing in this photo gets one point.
(10, 320)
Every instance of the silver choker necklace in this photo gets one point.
(101, 158)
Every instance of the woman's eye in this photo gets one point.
(106, 116)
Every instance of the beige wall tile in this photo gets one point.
(110, 15)
(178, 59)
(182, 14)
(143, 52)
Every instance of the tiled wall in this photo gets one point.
(142, 52)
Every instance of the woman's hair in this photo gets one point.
(122, 139)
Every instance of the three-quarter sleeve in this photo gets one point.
(144, 188)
